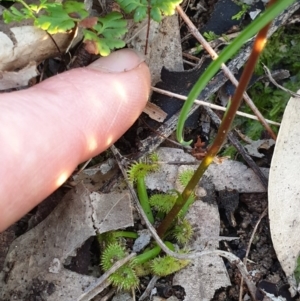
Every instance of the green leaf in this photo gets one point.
(210, 36)
(140, 14)
(163, 266)
(111, 26)
(56, 21)
(139, 6)
(15, 15)
(155, 14)
(109, 30)
(76, 7)
(130, 5)
(167, 7)
(104, 45)
(297, 271)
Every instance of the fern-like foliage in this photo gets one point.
(156, 8)
(100, 37)
(107, 33)
(15, 15)
(56, 17)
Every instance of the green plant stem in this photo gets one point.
(143, 197)
(225, 55)
(223, 129)
(150, 254)
(127, 234)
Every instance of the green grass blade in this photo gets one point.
(225, 55)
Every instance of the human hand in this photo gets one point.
(48, 129)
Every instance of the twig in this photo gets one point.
(249, 246)
(189, 63)
(83, 166)
(230, 257)
(210, 105)
(272, 80)
(166, 138)
(108, 295)
(191, 57)
(133, 36)
(226, 70)
(215, 43)
(102, 282)
(149, 288)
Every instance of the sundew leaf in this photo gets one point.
(164, 266)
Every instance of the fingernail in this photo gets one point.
(118, 61)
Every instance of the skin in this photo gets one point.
(47, 130)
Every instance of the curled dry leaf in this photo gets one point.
(90, 47)
(88, 22)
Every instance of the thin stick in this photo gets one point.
(101, 283)
(165, 138)
(84, 166)
(273, 81)
(148, 28)
(210, 105)
(226, 70)
(249, 246)
(149, 288)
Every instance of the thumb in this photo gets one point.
(50, 128)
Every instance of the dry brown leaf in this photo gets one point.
(284, 189)
(155, 112)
